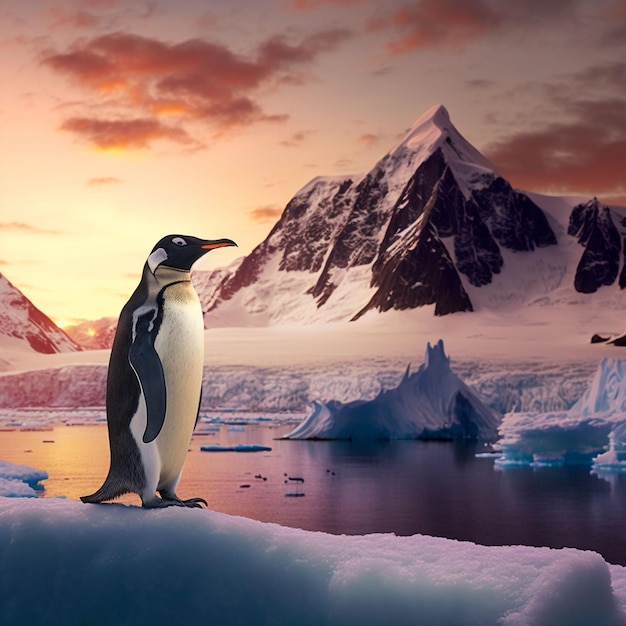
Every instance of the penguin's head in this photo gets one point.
(180, 252)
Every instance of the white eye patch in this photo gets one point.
(156, 258)
(179, 241)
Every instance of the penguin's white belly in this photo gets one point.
(180, 346)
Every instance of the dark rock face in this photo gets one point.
(422, 272)
(592, 225)
(433, 206)
(514, 220)
(302, 237)
(356, 242)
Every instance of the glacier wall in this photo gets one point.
(523, 386)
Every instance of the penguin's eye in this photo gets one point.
(179, 241)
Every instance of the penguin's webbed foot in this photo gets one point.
(173, 500)
(195, 503)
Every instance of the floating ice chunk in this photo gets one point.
(242, 447)
(10, 488)
(614, 459)
(23, 473)
(593, 431)
(432, 403)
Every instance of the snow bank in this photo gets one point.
(577, 436)
(431, 403)
(114, 564)
(20, 481)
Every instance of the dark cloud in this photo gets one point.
(480, 83)
(79, 19)
(196, 80)
(585, 154)
(267, 213)
(436, 23)
(103, 180)
(611, 76)
(614, 14)
(457, 23)
(309, 5)
(24, 228)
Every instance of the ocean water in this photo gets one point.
(402, 487)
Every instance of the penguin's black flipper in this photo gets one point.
(198, 413)
(147, 366)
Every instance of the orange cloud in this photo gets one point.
(266, 213)
(369, 140)
(103, 180)
(121, 134)
(27, 228)
(297, 139)
(584, 155)
(195, 80)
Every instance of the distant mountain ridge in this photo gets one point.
(22, 321)
(431, 224)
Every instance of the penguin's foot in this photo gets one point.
(165, 501)
(195, 503)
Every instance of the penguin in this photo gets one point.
(154, 380)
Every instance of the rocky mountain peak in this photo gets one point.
(429, 224)
(20, 319)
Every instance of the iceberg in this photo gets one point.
(592, 432)
(20, 481)
(117, 564)
(432, 403)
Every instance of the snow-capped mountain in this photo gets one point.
(433, 223)
(27, 326)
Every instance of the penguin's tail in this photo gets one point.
(110, 490)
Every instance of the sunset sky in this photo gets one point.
(123, 120)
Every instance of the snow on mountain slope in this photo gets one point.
(432, 223)
(21, 320)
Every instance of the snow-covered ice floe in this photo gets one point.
(592, 432)
(119, 563)
(242, 447)
(20, 481)
(432, 403)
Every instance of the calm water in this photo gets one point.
(403, 487)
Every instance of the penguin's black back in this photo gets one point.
(122, 400)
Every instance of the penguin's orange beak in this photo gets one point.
(220, 243)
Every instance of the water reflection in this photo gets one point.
(403, 487)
